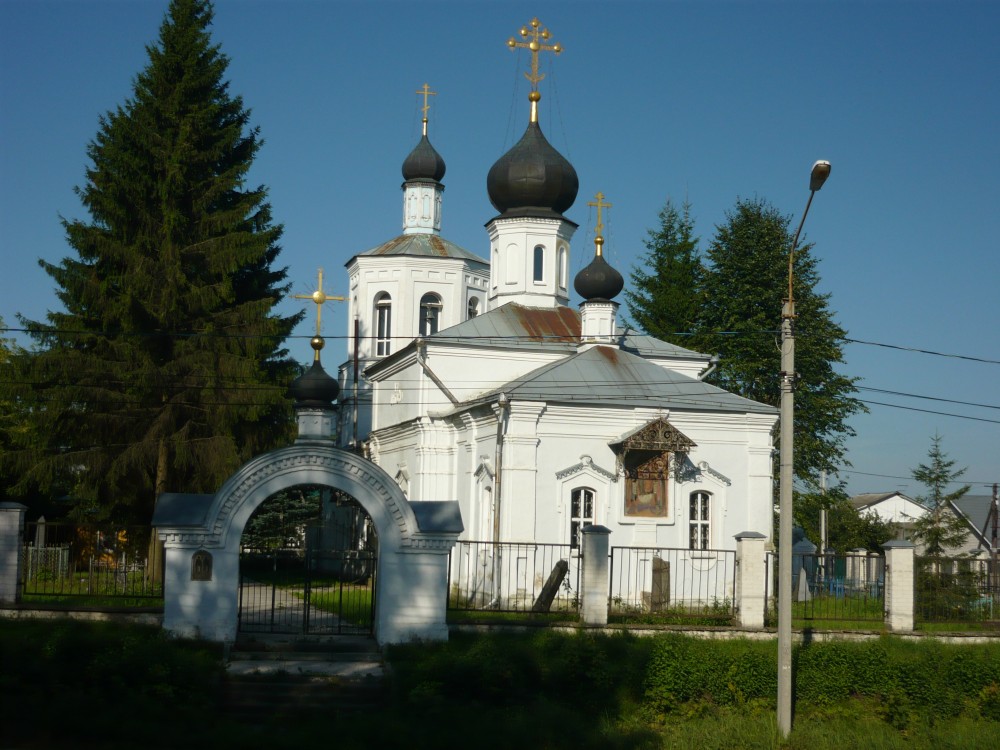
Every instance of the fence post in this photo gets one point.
(899, 585)
(596, 542)
(751, 598)
(11, 537)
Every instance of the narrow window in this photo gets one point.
(539, 263)
(699, 520)
(562, 267)
(473, 307)
(430, 314)
(581, 514)
(383, 325)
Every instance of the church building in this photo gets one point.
(473, 379)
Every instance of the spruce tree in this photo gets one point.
(940, 528)
(165, 369)
(740, 318)
(664, 297)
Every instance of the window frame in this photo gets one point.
(579, 521)
(383, 324)
(430, 311)
(700, 521)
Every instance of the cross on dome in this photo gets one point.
(426, 92)
(319, 297)
(534, 46)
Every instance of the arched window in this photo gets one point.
(562, 267)
(700, 520)
(473, 310)
(383, 324)
(430, 314)
(539, 263)
(581, 514)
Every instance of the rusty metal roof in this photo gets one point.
(423, 246)
(516, 326)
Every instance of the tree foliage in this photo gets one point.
(846, 528)
(165, 369)
(940, 528)
(665, 294)
(745, 280)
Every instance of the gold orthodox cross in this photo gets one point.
(320, 298)
(599, 231)
(535, 46)
(426, 91)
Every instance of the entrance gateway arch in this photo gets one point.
(201, 533)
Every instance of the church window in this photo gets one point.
(700, 514)
(562, 267)
(539, 263)
(383, 325)
(473, 307)
(581, 514)
(430, 314)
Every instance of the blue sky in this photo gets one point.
(704, 101)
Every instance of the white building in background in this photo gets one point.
(480, 384)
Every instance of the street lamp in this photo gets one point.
(820, 171)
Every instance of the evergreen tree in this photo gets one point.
(940, 528)
(664, 297)
(165, 369)
(740, 319)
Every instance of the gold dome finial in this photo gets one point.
(599, 231)
(426, 91)
(319, 297)
(535, 33)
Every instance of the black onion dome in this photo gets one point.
(314, 389)
(598, 281)
(532, 179)
(423, 163)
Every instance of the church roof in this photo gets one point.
(422, 245)
(518, 327)
(650, 346)
(604, 375)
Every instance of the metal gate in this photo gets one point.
(308, 566)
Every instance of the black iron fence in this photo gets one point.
(840, 590)
(101, 563)
(514, 577)
(303, 591)
(662, 584)
(956, 590)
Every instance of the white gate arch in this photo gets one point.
(201, 536)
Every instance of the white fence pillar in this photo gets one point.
(899, 585)
(594, 577)
(11, 535)
(751, 596)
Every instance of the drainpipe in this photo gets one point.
(713, 363)
(502, 412)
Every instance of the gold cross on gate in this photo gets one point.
(535, 47)
(319, 297)
(599, 203)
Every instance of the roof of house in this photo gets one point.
(606, 375)
(869, 499)
(976, 508)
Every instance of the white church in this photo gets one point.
(472, 379)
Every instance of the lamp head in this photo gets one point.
(820, 171)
